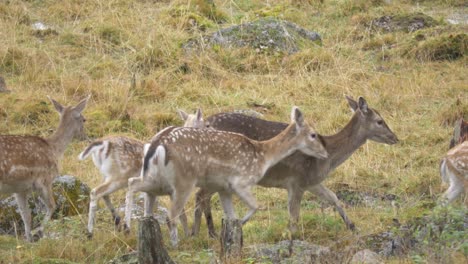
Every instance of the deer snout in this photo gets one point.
(392, 140)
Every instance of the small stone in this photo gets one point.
(366, 256)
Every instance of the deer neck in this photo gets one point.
(60, 138)
(344, 143)
(278, 147)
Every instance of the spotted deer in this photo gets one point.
(298, 172)
(219, 161)
(30, 163)
(454, 166)
(120, 158)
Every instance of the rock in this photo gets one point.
(131, 258)
(366, 256)
(404, 22)
(41, 30)
(3, 86)
(285, 252)
(71, 196)
(266, 34)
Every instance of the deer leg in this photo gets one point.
(455, 189)
(208, 214)
(294, 207)
(203, 203)
(245, 194)
(226, 202)
(177, 207)
(135, 184)
(25, 212)
(47, 196)
(103, 190)
(110, 206)
(329, 196)
(150, 200)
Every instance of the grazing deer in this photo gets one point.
(219, 161)
(30, 163)
(298, 172)
(454, 166)
(120, 158)
(460, 133)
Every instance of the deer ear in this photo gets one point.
(363, 105)
(182, 114)
(352, 103)
(57, 105)
(297, 117)
(81, 105)
(199, 114)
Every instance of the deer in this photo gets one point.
(454, 165)
(460, 133)
(119, 158)
(298, 172)
(218, 161)
(30, 163)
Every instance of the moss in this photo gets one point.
(453, 112)
(111, 34)
(445, 47)
(31, 112)
(208, 9)
(12, 60)
(149, 59)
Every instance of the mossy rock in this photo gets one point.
(71, 196)
(403, 22)
(263, 35)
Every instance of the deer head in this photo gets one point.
(71, 118)
(190, 120)
(372, 123)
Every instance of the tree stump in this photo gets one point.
(150, 244)
(231, 239)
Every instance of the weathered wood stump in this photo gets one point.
(150, 244)
(231, 239)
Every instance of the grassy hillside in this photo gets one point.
(128, 55)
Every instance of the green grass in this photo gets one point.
(128, 56)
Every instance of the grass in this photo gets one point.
(128, 55)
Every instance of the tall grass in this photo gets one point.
(128, 55)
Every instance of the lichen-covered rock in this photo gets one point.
(268, 34)
(404, 22)
(71, 196)
(287, 251)
(366, 256)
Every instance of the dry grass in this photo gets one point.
(128, 55)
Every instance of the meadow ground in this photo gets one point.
(128, 56)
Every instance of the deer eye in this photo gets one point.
(380, 122)
(313, 135)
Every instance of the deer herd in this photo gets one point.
(226, 153)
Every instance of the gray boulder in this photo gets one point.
(267, 34)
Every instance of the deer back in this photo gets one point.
(25, 158)
(118, 156)
(204, 151)
(252, 127)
